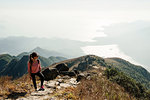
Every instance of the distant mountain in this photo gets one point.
(12, 66)
(19, 56)
(16, 68)
(4, 60)
(46, 53)
(15, 45)
(88, 62)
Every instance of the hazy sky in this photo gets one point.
(81, 20)
(73, 19)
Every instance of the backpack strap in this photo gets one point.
(38, 61)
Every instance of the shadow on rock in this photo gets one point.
(15, 95)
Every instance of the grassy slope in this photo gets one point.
(136, 72)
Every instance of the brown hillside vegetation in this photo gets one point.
(15, 88)
(99, 88)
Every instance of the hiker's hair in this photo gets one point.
(32, 55)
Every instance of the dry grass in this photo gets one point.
(15, 88)
(99, 88)
(65, 94)
(96, 88)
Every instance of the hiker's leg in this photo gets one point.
(41, 78)
(34, 80)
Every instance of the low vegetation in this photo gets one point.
(15, 88)
(136, 72)
(100, 88)
(133, 87)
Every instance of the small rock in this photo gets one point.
(52, 84)
(46, 97)
(64, 85)
(58, 77)
(58, 87)
(39, 93)
(53, 98)
(60, 80)
(80, 77)
(65, 77)
(96, 67)
(57, 83)
(73, 81)
(88, 77)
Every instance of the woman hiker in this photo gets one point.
(34, 68)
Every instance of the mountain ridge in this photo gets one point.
(86, 62)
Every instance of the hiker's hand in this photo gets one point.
(30, 77)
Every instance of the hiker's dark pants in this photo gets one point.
(34, 79)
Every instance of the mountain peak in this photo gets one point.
(37, 48)
(5, 55)
(46, 53)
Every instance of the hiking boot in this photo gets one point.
(42, 88)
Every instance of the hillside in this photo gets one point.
(15, 67)
(136, 72)
(4, 60)
(88, 62)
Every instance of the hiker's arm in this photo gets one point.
(40, 66)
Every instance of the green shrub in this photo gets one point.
(130, 85)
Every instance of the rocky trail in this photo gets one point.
(53, 89)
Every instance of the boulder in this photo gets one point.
(80, 77)
(50, 74)
(76, 71)
(67, 73)
(62, 67)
